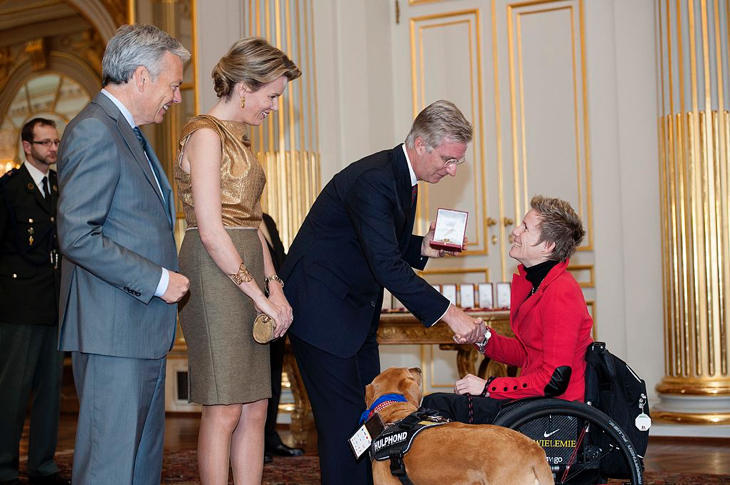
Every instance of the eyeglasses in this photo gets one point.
(449, 162)
(47, 143)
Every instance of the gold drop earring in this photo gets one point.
(243, 102)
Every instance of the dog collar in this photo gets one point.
(381, 402)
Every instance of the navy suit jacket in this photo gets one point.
(357, 239)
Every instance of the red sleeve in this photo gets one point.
(506, 350)
(561, 313)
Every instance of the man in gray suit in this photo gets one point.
(119, 285)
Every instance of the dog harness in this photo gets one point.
(396, 440)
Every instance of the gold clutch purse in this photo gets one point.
(263, 328)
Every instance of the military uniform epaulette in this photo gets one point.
(8, 175)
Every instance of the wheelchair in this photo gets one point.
(583, 445)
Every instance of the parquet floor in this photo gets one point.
(672, 455)
(683, 455)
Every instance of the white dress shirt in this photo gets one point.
(37, 177)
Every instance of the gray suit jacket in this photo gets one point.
(116, 234)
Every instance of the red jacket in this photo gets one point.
(552, 329)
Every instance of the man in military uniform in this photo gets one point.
(30, 363)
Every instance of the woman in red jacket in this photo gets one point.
(548, 317)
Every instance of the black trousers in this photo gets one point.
(276, 354)
(30, 365)
(456, 407)
(336, 389)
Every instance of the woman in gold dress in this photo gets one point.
(220, 182)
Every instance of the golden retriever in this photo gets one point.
(455, 453)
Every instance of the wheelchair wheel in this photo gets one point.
(576, 438)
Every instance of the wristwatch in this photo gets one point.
(483, 344)
(274, 277)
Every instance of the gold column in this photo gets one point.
(177, 18)
(287, 143)
(694, 132)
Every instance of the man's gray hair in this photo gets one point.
(439, 120)
(137, 45)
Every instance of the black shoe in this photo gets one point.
(267, 458)
(282, 450)
(52, 479)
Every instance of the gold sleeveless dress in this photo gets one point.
(225, 364)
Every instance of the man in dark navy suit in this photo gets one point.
(273, 445)
(357, 239)
(30, 363)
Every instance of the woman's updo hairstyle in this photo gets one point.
(254, 62)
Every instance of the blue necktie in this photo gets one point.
(414, 194)
(146, 148)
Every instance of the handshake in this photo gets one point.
(467, 330)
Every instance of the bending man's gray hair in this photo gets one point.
(137, 45)
(440, 119)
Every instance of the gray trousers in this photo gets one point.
(121, 423)
(29, 365)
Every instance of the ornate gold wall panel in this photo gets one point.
(446, 63)
(50, 63)
(538, 93)
(176, 17)
(592, 311)
(451, 44)
(548, 105)
(454, 274)
(420, 2)
(694, 134)
(579, 272)
(287, 143)
(104, 15)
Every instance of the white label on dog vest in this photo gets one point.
(363, 437)
(360, 441)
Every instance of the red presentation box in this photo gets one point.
(450, 230)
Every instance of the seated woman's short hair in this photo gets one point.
(559, 224)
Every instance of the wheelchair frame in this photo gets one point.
(596, 435)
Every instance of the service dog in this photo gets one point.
(454, 453)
